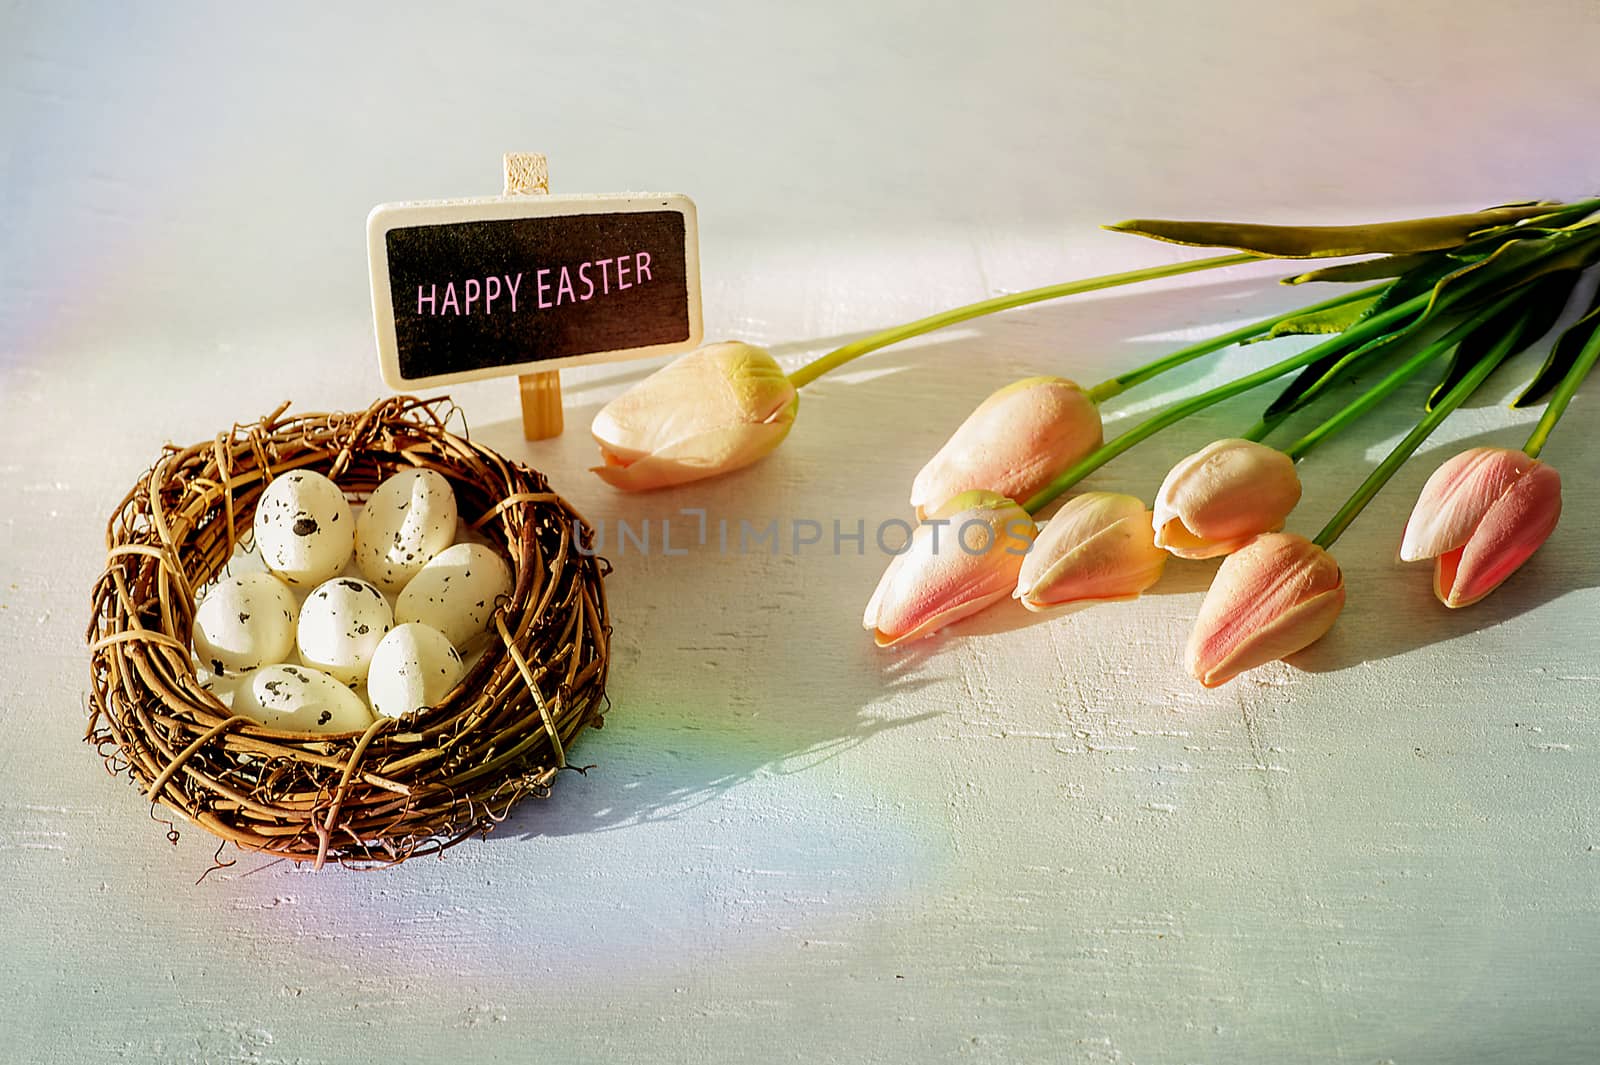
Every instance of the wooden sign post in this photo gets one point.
(528, 174)
(527, 283)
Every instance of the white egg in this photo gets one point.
(455, 591)
(303, 528)
(301, 699)
(413, 667)
(341, 623)
(408, 519)
(244, 623)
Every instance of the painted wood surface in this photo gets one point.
(1029, 840)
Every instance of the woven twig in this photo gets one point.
(404, 787)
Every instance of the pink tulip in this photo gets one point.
(1099, 548)
(715, 409)
(1218, 499)
(1274, 596)
(1479, 517)
(1014, 444)
(963, 557)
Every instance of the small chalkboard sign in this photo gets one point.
(467, 289)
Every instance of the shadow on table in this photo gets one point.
(731, 667)
(725, 667)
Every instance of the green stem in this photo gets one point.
(1179, 411)
(1563, 395)
(1122, 382)
(839, 356)
(1404, 450)
(1399, 376)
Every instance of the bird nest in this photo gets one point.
(402, 787)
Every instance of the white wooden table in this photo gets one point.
(1029, 840)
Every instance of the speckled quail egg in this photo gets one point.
(455, 591)
(304, 529)
(408, 519)
(413, 667)
(301, 699)
(244, 623)
(341, 624)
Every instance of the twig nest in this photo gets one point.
(390, 787)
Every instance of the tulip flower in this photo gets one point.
(963, 557)
(1218, 499)
(1013, 444)
(716, 409)
(1274, 596)
(1479, 517)
(1099, 548)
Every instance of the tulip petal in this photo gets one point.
(1294, 630)
(937, 581)
(1013, 444)
(1175, 538)
(1214, 501)
(693, 458)
(1098, 548)
(1514, 527)
(1455, 499)
(715, 409)
(1276, 595)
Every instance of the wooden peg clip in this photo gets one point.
(528, 174)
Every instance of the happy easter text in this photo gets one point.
(545, 288)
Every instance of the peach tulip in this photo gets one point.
(1479, 517)
(1274, 596)
(1099, 548)
(1013, 444)
(715, 409)
(963, 557)
(1218, 499)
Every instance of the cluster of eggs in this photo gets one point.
(381, 602)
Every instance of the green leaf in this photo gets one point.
(1365, 270)
(1332, 320)
(1416, 282)
(1326, 242)
(1445, 282)
(1562, 355)
(1530, 318)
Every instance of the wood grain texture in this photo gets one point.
(528, 174)
(1034, 839)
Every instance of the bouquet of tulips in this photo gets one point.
(1466, 291)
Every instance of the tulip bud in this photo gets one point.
(964, 556)
(1274, 596)
(1218, 499)
(1099, 548)
(713, 410)
(1479, 517)
(1016, 442)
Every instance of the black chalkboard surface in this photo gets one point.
(464, 289)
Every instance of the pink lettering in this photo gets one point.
(641, 266)
(565, 286)
(605, 275)
(491, 292)
(513, 289)
(433, 292)
(544, 286)
(473, 288)
(622, 272)
(450, 303)
(583, 275)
